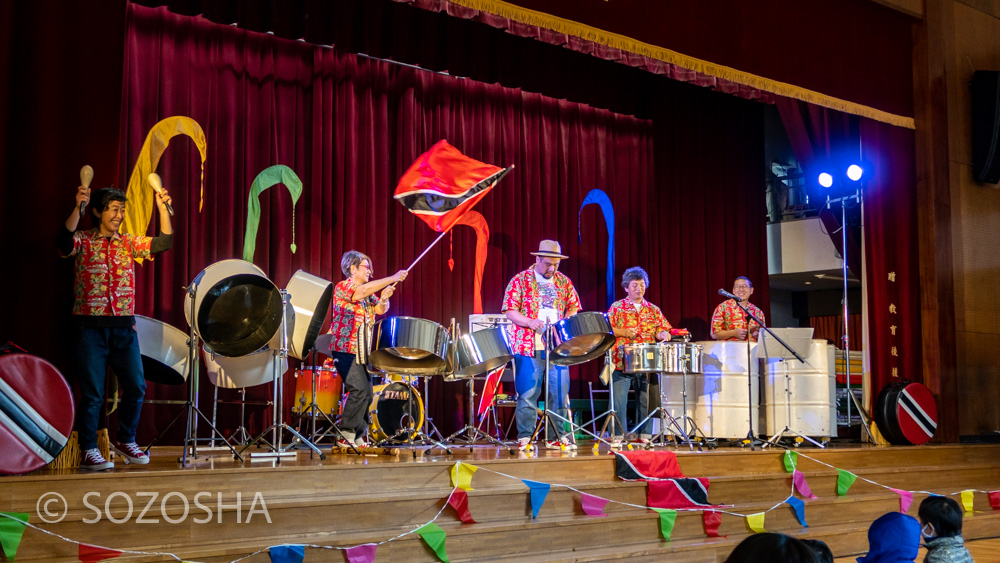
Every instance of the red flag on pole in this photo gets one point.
(442, 184)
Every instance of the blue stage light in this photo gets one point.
(854, 172)
(825, 180)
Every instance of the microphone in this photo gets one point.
(157, 185)
(725, 293)
(86, 176)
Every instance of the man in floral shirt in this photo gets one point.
(536, 298)
(634, 321)
(729, 322)
(103, 314)
(353, 314)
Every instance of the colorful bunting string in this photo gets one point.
(844, 481)
(11, 530)
(460, 502)
(967, 500)
(994, 499)
(288, 553)
(905, 499)
(799, 480)
(712, 519)
(434, 537)
(756, 522)
(800, 510)
(593, 506)
(364, 553)
(668, 518)
(92, 553)
(461, 475)
(538, 493)
(791, 459)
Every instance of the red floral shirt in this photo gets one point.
(522, 296)
(728, 316)
(104, 277)
(648, 319)
(348, 316)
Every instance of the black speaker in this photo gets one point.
(985, 88)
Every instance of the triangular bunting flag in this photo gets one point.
(287, 553)
(967, 499)
(791, 460)
(800, 510)
(364, 553)
(756, 522)
(538, 493)
(461, 475)
(905, 499)
(667, 520)
(92, 553)
(994, 499)
(800, 484)
(11, 530)
(844, 481)
(434, 537)
(593, 506)
(712, 519)
(460, 502)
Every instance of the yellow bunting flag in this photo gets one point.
(461, 475)
(967, 499)
(756, 522)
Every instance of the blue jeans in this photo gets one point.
(96, 350)
(621, 382)
(529, 376)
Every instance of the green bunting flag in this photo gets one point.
(791, 460)
(667, 520)
(844, 481)
(11, 530)
(434, 537)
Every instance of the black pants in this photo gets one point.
(358, 386)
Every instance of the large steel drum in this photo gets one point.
(481, 351)
(812, 389)
(164, 351)
(581, 338)
(237, 309)
(245, 371)
(310, 298)
(410, 346)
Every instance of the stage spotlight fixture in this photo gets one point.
(825, 180)
(854, 172)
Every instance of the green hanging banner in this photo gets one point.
(277, 174)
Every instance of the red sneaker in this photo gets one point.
(131, 452)
(92, 460)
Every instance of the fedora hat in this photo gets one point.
(549, 249)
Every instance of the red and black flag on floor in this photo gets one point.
(442, 184)
(645, 465)
(679, 493)
(667, 486)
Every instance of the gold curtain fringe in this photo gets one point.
(623, 43)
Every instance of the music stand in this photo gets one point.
(794, 347)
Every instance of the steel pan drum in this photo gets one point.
(237, 309)
(310, 297)
(482, 351)
(245, 371)
(681, 357)
(164, 351)
(410, 346)
(581, 338)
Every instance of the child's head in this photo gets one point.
(940, 517)
(820, 550)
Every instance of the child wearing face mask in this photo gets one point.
(941, 528)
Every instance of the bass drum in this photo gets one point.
(237, 309)
(245, 371)
(37, 413)
(581, 338)
(410, 346)
(164, 351)
(906, 413)
(397, 407)
(310, 298)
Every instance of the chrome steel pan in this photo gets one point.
(246, 371)
(482, 351)
(237, 309)
(643, 358)
(164, 351)
(310, 297)
(581, 338)
(680, 357)
(410, 346)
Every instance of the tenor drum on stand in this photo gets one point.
(164, 350)
(237, 309)
(481, 352)
(811, 389)
(410, 346)
(329, 388)
(581, 338)
(643, 358)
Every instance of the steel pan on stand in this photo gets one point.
(581, 338)
(410, 346)
(479, 353)
(310, 297)
(164, 350)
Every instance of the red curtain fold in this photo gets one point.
(831, 328)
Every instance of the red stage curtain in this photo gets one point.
(831, 328)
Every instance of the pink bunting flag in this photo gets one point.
(905, 499)
(593, 506)
(92, 554)
(800, 484)
(364, 553)
(460, 502)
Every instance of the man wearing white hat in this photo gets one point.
(535, 299)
